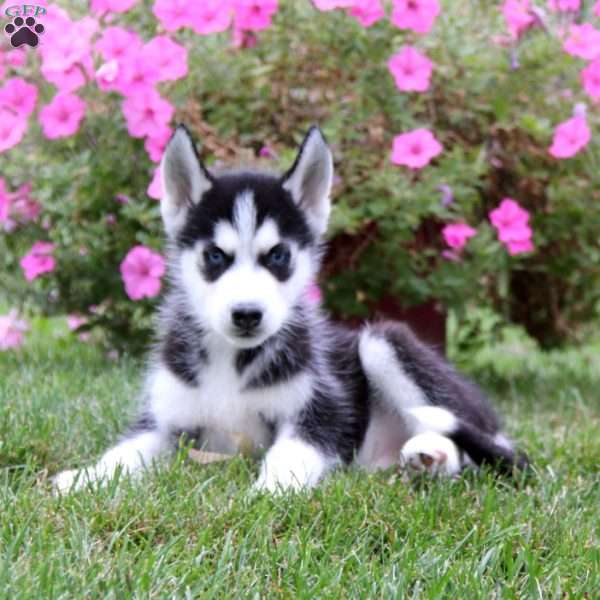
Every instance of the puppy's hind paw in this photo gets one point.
(431, 453)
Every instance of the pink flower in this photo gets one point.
(16, 58)
(174, 14)
(415, 149)
(11, 330)
(23, 205)
(4, 201)
(116, 6)
(520, 246)
(38, 261)
(66, 58)
(367, 12)
(418, 15)
(155, 144)
(63, 116)
(583, 41)
(570, 137)
(518, 16)
(53, 19)
(564, 5)
(147, 113)
(74, 322)
(325, 5)
(597, 9)
(155, 189)
(67, 47)
(313, 293)
(211, 16)
(19, 96)
(457, 235)
(117, 43)
(141, 270)
(411, 70)
(12, 129)
(509, 214)
(511, 222)
(266, 152)
(70, 79)
(169, 58)
(254, 15)
(138, 73)
(590, 79)
(107, 75)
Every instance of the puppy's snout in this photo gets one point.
(246, 317)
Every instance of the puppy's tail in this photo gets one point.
(482, 447)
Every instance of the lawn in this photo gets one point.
(194, 531)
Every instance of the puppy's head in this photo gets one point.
(246, 242)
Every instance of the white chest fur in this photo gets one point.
(222, 400)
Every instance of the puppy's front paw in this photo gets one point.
(67, 481)
(276, 485)
(431, 453)
(74, 480)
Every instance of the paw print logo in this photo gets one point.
(24, 31)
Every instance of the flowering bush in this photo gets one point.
(463, 133)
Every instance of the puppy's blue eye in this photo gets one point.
(214, 257)
(279, 256)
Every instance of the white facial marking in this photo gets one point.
(246, 281)
(226, 237)
(266, 237)
(244, 217)
(242, 240)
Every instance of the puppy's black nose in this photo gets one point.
(246, 317)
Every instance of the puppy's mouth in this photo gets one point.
(245, 338)
(247, 333)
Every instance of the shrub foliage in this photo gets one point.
(493, 102)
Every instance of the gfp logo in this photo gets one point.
(24, 28)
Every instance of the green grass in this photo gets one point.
(194, 531)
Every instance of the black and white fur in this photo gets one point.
(243, 349)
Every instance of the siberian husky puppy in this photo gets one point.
(243, 349)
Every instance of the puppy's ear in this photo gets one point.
(310, 178)
(185, 179)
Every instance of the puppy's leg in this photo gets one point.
(130, 455)
(292, 464)
(431, 453)
(395, 389)
(386, 374)
(431, 396)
